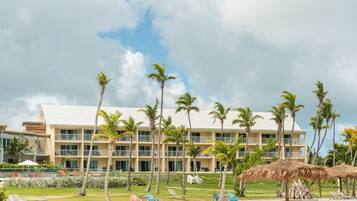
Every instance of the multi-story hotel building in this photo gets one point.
(68, 130)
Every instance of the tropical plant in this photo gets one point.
(193, 152)
(160, 76)
(167, 129)
(103, 81)
(316, 126)
(278, 115)
(222, 152)
(183, 130)
(246, 119)
(17, 147)
(290, 104)
(173, 134)
(131, 128)
(334, 116)
(110, 132)
(220, 113)
(151, 114)
(326, 113)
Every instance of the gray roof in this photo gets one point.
(74, 115)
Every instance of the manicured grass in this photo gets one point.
(203, 192)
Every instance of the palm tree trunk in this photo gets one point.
(221, 196)
(83, 190)
(220, 165)
(246, 142)
(278, 133)
(106, 180)
(128, 187)
(157, 189)
(167, 165)
(291, 139)
(36, 149)
(333, 144)
(354, 188)
(340, 183)
(318, 144)
(323, 139)
(312, 145)
(183, 166)
(148, 189)
(283, 136)
(189, 131)
(287, 195)
(176, 157)
(195, 165)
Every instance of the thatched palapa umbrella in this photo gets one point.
(342, 171)
(285, 170)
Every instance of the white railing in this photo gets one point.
(201, 139)
(226, 139)
(69, 137)
(144, 152)
(67, 152)
(295, 141)
(97, 152)
(173, 153)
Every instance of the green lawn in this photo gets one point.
(255, 190)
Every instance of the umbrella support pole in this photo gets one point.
(286, 186)
(320, 192)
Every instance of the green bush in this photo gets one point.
(138, 181)
(2, 195)
(64, 182)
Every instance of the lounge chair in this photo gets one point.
(231, 197)
(149, 197)
(215, 196)
(340, 196)
(14, 198)
(173, 195)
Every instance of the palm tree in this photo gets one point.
(290, 104)
(278, 113)
(151, 114)
(317, 126)
(183, 132)
(222, 152)
(334, 116)
(102, 81)
(167, 129)
(109, 131)
(131, 128)
(220, 113)
(194, 151)
(326, 114)
(161, 77)
(172, 134)
(246, 119)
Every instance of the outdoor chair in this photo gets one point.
(14, 198)
(231, 197)
(173, 195)
(149, 197)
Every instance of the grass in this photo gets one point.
(255, 190)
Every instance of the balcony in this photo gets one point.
(144, 138)
(295, 141)
(271, 154)
(96, 153)
(226, 139)
(66, 152)
(144, 152)
(201, 139)
(295, 154)
(173, 153)
(122, 152)
(266, 140)
(67, 137)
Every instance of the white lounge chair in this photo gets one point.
(173, 195)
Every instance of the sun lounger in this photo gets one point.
(149, 197)
(340, 196)
(231, 197)
(173, 195)
(14, 198)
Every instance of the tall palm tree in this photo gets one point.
(109, 131)
(220, 113)
(131, 128)
(278, 115)
(326, 114)
(173, 134)
(183, 132)
(151, 114)
(246, 119)
(290, 104)
(222, 152)
(316, 126)
(334, 116)
(194, 151)
(167, 129)
(160, 76)
(103, 81)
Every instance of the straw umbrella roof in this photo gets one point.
(342, 171)
(285, 170)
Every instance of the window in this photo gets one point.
(172, 166)
(64, 131)
(93, 164)
(144, 136)
(198, 163)
(71, 164)
(121, 165)
(144, 166)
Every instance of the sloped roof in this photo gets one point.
(74, 115)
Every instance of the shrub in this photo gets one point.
(64, 182)
(2, 195)
(138, 181)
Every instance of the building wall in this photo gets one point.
(208, 163)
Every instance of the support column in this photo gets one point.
(136, 151)
(82, 151)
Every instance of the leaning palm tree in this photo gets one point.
(278, 115)
(290, 104)
(220, 113)
(161, 77)
(151, 114)
(193, 152)
(222, 152)
(103, 80)
(316, 126)
(246, 119)
(334, 116)
(326, 114)
(109, 131)
(131, 128)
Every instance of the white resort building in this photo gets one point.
(64, 134)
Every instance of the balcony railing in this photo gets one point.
(266, 140)
(226, 139)
(122, 152)
(271, 154)
(295, 141)
(96, 153)
(144, 138)
(201, 139)
(294, 154)
(144, 152)
(67, 152)
(69, 137)
(173, 153)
